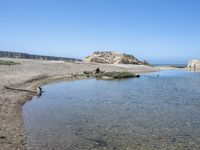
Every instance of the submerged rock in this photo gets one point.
(110, 57)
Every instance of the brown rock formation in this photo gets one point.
(194, 65)
(110, 57)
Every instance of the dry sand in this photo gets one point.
(29, 75)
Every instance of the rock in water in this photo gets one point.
(110, 57)
(115, 75)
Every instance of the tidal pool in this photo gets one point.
(152, 112)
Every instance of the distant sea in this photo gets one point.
(176, 65)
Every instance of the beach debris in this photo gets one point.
(96, 71)
(24, 90)
(87, 72)
(38, 90)
(74, 75)
(2, 137)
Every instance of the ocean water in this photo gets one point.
(152, 112)
(174, 65)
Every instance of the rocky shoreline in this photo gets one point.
(31, 74)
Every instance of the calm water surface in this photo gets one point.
(146, 113)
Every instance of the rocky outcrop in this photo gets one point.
(97, 73)
(194, 65)
(110, 57)
(116, 75)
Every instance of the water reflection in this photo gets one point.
(146, 113)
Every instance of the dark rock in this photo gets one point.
(96, 71)
(115, 75)
(2, 137)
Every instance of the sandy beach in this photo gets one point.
(28, 76)
(153, 44)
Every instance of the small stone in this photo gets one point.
(2, 137)
(106, 78)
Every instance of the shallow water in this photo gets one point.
(147, 113)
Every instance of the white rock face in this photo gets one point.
(111, 57)
(194, 65)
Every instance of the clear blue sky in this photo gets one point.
(155, 30)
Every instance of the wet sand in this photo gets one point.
(29, 75)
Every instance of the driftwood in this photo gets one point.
(74, 75)
(18, 89)
(38, 92)
(96, 71)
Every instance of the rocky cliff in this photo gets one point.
(32, 56)
(194, 65)
(110, 57)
